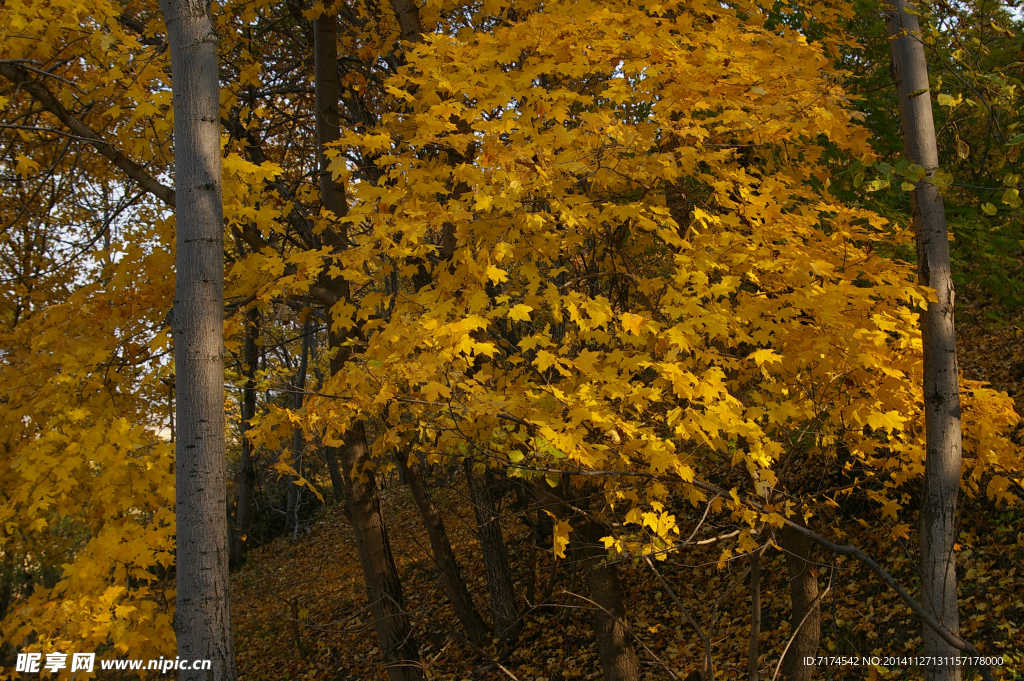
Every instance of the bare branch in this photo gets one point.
(19, 75)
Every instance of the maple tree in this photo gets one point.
(586, 255)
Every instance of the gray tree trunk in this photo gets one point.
(203, 615)
(941, 388)
(298, 442)
(329, 454)
(247, 475)
(380, 576)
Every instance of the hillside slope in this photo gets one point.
(300, 613)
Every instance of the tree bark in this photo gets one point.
(444, 556)
(803, 593)
(203, 614)
(408, 16)
(941, 387)
(383, 587)
(504, 606)
(614, 639)
(247, 475)
(298, 442)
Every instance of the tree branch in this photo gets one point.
(19, 75)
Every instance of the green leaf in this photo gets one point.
(918, 93)
(916, 173)
(907, 187)
(989, 209)
(942, 179)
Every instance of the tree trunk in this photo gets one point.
(407, 14)
(6, 583)
(329, 454)
(755, 616)
(803, 592)
(380, 575)
(614, 639)
(247, 476)
(337, 482)
(444, 556)
(298, 442)
(504, 607)
(203, 614)
(941, 389)
(383, 588)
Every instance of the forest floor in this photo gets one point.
(300, 610)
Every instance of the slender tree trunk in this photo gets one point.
(383, 587)
(803, 593)
(247, 476)
(531, 576)
(941, 388)
(298, 442)
(337, 481)
(444, 556)
(203, 614)
(329, 454)
(755, 616)
(504, 606)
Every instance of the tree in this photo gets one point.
(941, 389)
(383, 586)
(444, 556)
(485, 502)
(806, 620)
(203, 615)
